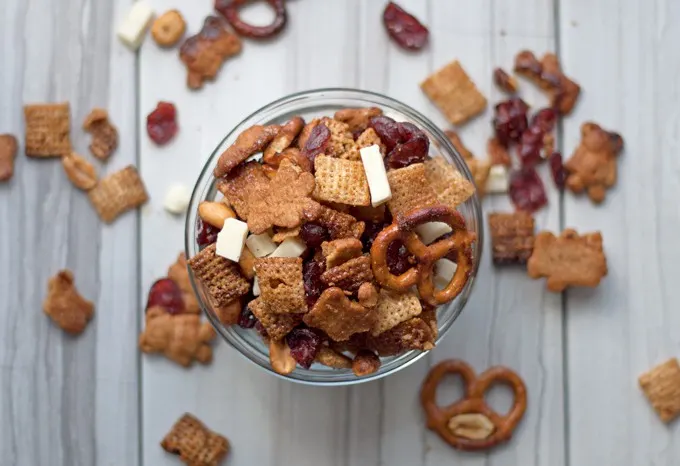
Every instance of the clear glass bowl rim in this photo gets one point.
(307, 100)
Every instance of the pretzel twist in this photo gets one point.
(458, 243)
(438, 418)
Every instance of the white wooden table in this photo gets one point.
(93, 400)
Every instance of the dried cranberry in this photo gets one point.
(526, 190)
(559, 173)
(260, 329)
(311, 277)
(413, 151)
(545, 119)
(399, 260)
(161, 124)
(530, 145)
(247, 319)
(206, 234)
(370, 232)
(303, 344)
(166, 294)
(510, 120)
(387, 129)
(314, 234)
(317, 142)
(404, 28)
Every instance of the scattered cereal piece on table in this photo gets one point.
(393, 309)
(339, 180)
(568, 260)
(48, 129)
(410, 189)
(117, 193)
(281, 286)
(451, 187)
(104, 133)
(512, 237)
(204, 53)
(65, 306)
(338, 316)
(592, 167)
(168, 28)
(8, 152)
(454, 93)
(504, 81)
(195, 444)
(79, 171)
(661, 386)
(182, 338)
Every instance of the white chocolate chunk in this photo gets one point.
(430, 231)
(444, 271)
(498, 180)
(177, 199)
(261, 245)
(374, 167)
(231, 238)
(133, 29)
(291, 247)
(256, 287)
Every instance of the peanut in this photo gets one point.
(472, 426)
(81, 172)
(215, 213)
(365, 363)
(247, 263)
(280, 358)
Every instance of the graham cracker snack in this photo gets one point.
(117, 193)
(339, 317)
(65, 306)
(284, 202)
(204, 53)
(350, 275)
(182, 338)
(410, 189)
(341, 143)
(339, 251)
(253, 140)
(661, 386)
(393, 309)
(8, 152)
(592, 167)
(340, 225)
(179, 273)
(235, 186)
(221, 277)
(512, 237)
(454, 93)
(195, 444)
(104, 134)
(568, 260)
(281, 284)
(48, 129)
(276, 325)
(342, 181)
(451, 187)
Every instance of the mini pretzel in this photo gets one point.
(458, 244)
(230, 10)
(477, 426)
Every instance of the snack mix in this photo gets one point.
(330, 244)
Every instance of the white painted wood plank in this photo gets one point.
(623, 55)
(509, 319)
(66, 401)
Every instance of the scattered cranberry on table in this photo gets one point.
(405, 28)
(161, 124)
(526, 190)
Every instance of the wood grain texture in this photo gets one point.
(629, 324)
(65, 401)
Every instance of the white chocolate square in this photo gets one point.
(177, 199)
(498, 181)
(291, 247)
(261, 245)
(430, 231)
(231, 238)
(374, 167)
(133, 29)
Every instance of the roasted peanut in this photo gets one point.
(247, 262)
(81, 172)
(472, 426)
(282, 141)
(365, 363)
(280, 358)
(215, 213)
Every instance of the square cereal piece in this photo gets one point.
(195, 443)
(512, 237)
(276, 325)
(221, 277)
(339, 224)
(48, 129)
(281, 286)
(393, 309)
(117, 193)
(410, 189)
(350, 275)
(661, 386)
(341, 144)
(454, 93)
(451, 187)
(368, 138)
(342, 181)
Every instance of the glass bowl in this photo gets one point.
(311, 104)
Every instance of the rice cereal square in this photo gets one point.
(342, 181)
(117, 193)
(661, 386)
(48, 129)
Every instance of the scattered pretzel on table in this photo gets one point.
(230, 10)
(470, 423)
(403, 228)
